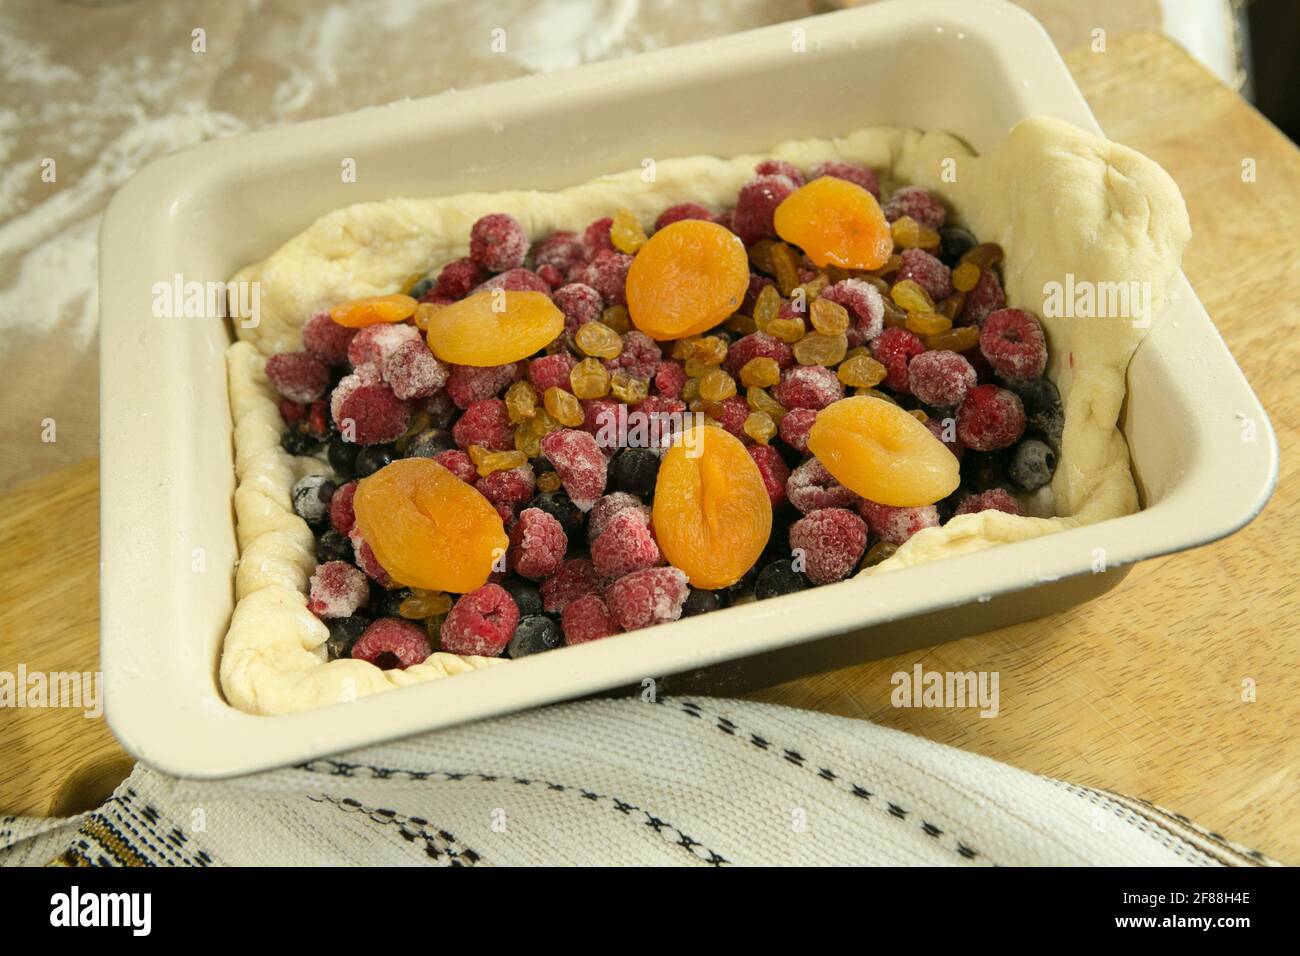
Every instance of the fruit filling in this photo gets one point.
(565, 437)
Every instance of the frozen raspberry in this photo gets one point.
(895, 349)
(865, 307)
(758, 345)
(610, 505)
(537, 544)
(551, 371)
(485, 423)
(552, 276)
(756, 204)
(779, 167)
(640, 355)
(945, 429)
(625, 545)
(370, 414)
(586, 619)
(560, 250)
(580, 304)
(811, 487)
(468, 384)
(607, 274)
(411, 371)
(986, 297)
(342, 516)
(391, 643)
(916, 203)
(317, 423)
(459, 464)
(773, 470)
(458, 278)
(337, 590)
(326, 340)
(809, 386)
(646, 597)
(940, 378)
(600, 415)
(367, 562)
(576, 578)
(683, 210)
(669, 378)
(297, 376)
(831, 541)
(726, 219)
(579, 462)
(516, 280)
(292, 413)
(507, 489)
(927, 272)
(481, 622)
(731, 413)
(864, 176)
(1012, 340)
(990, 418)
(896, 525)
(795, 426)
(498, 243)
(375, 343)
(995, 499)
(596, 238)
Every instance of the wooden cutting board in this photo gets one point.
(1139, 691)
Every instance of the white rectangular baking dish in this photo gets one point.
(168, 543)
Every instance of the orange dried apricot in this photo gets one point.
(687, 278)
(836, 223)
(428, 528)
(374, 310)
(883, 453)
(712, 515)
(494, 328)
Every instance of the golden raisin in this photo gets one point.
(627, 388)
(908, 294)
(920, 415)
(927, 323)
(691, 390)
(598, 340)
(878, 552)
(744, 324)
(710, 350)
(422, 603)
(760, 427)
(549, 481)
(528, 441)
(626, 233)
(891, 265)
(419, 422)
(760, 254)
(965, 276)
(616, 318)
(760, 400)
(521, 402)
(817, 348)
(761, 372)
(984, 255)
(785, 268)
(488, 461)
(563, 406)
(861, 371)
(424, 314)
(787, 330)
(829, 318)
(955, 340)
(910, 234)
(767, 306)
(876, 393)
(717, 385)
(589, 378)
(951, 307)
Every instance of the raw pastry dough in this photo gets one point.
(1057, 199)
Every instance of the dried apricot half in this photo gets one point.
(712, 514)
(880, 451)
(687, 278)
(836, 223)
(428, 528)
(493, 328)
(375, 310)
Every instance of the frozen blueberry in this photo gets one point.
(634, 470)
(534, 634)
(746, 584)
(421, 288)
(1032, 464)
(700, 601)
(982, 470)
(311, 498)
(779, 578)
(296, 442)
(344, 632)
(558, 505)
(526, 596)
(1043, 410)
(371, 458)
(332, 546)
(429, 443)
(342, 456)
(385, 603)
(954, 242)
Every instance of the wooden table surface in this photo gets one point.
(1139, 691)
